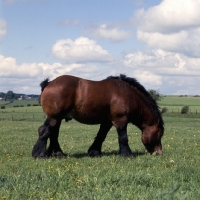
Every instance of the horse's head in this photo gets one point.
(151, 138)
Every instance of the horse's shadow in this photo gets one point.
(111, 153)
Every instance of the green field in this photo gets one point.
(175, 103)
(174, 175)
(19, 111)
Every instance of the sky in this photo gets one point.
(157, 42)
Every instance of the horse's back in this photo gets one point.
(87, 101)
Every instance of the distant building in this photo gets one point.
(24, 97)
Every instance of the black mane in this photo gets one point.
(44, 83)
(133, 82)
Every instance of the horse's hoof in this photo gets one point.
(59, 154)
(126, 154)
(41, 155)
(94, 153)
(38, 153)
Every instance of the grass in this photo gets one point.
(180, 101)
(22, 114)
(174, 175)
(19, 111)
(19, 102)
(175, 103)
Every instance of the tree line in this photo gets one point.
(10, 95)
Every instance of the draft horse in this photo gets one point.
(114, 101)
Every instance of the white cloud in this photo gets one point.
(19, 78)
(80, 50)
(148, 78)
(3, 27)
(9, 68)
(171, 31)
(186, 42)
(169, 16)
(171, 73)
(57, 69)
(111, 33)
(171, 26)
(171, 42)
(137, 59)
(26, 77)
(164, 63)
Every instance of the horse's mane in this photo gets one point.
(44, 83)
(133, 82)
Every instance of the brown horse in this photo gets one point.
(115, 101)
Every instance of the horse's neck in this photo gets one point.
(146, 117)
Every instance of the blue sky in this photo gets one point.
(157, 42)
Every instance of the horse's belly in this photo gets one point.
(86, 117)
(87, 120)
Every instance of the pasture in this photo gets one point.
(174, 175)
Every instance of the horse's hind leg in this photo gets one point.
(54, 147)
(49, 129)
(95, 148)
(39, 149)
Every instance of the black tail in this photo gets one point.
(44, 83)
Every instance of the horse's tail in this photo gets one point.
(44, 83)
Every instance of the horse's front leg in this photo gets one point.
(124, 148)
(95, 148)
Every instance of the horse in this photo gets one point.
(114, 101)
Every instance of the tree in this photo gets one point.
(155, 95)
(185, 110)
(2, 95)
(9, 95)
(164, 110)
(16, 96)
